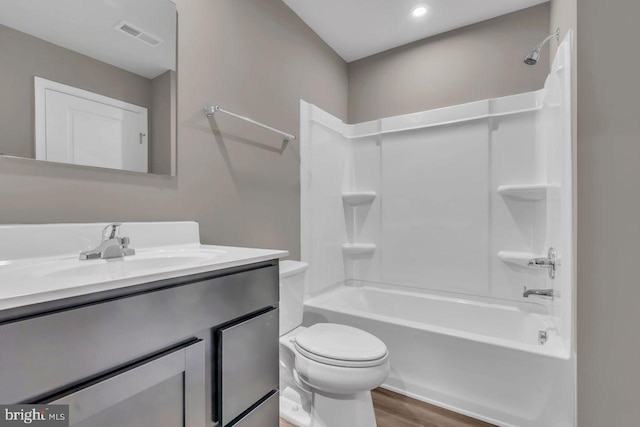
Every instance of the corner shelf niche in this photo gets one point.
(527, 192)
(354, 249)
(359, 197)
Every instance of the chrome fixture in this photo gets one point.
(542, 337)
(550, 262)
(538, 292)
(533, 56)
(112, 246)
(210, 111)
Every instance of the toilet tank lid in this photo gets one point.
(290, 267)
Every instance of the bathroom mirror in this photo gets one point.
(90, 83)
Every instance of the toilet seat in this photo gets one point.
(341, 345)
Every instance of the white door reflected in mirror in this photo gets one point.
(83, 128)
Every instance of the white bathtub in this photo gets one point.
(476, 358)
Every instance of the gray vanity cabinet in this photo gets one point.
(158, 354)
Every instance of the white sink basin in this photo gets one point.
(143, 263)
(136, 265)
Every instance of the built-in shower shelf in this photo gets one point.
(353, 249)
(517, 258)
(527, 192)
(359, 197)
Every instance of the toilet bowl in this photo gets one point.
(327, 370)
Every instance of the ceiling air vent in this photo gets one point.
(138, 34)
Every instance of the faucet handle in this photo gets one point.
(551, 262)
(111, 231)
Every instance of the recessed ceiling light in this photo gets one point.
(419, 11)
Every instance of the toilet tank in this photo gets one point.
(292, 280)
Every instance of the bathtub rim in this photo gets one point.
(553, 348)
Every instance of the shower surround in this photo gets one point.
(419, 229)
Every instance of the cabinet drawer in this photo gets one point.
(264, 415)
(248, 364)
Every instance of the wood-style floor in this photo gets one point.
(396, 410)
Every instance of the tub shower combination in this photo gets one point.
(448, 234)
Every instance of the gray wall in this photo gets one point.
(24, 56)
(608, 208)
(608, 214)
(254, 57)
(480, 61)
(162, 130)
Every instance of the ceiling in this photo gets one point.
(356, 29)
(87, 27)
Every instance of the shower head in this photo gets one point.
(533, 56)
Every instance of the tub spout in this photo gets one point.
(538, 292)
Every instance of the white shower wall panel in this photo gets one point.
(366, 218)
(517, 225)
(325, 172)
(555, 127)
(437, 220)
(435, 208)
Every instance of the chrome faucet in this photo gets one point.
(538, 292)
(112, 246)
(550, 262)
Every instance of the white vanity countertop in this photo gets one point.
(39, 263)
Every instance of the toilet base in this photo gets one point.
(293, 409)
(329, 411)
(354, 410)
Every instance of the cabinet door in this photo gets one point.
(167, 390)
(248, 365)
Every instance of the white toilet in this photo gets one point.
(327, 370)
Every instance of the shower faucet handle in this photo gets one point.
(550, 262)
